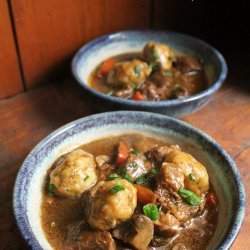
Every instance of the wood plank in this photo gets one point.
(49, 32)
(10, 77)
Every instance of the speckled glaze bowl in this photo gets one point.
(93, 53)
(222, 170)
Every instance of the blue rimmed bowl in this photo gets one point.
(96, 51)
(222, 171)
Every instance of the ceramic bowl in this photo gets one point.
(223, 173)
(96, 51)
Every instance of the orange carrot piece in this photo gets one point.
(123, 152)
(138, 96)
(145, 195)
(106, 66)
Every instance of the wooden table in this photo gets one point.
(27, 118)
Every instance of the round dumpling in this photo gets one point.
(109, 203)
(159, 54)
(74, 174)
(129, 73)
(189, 166)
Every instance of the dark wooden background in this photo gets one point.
(39, 37)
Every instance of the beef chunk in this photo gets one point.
(81, 237)
(157, 154)
(167, 224)
(138, 232)
(97, 241)
(171, 176)
(125, 92)
(172, 202)
(135, 166)
(187, 64)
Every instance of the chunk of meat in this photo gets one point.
(96, 241)
(126, 92)
(101, 160)
(91, 240)
(180, 92)
(172, 202)
(187, 64)
(167, 224)
(129, 73)
(190, 166)
(160, 54)
(157, 154)
(74, 174)
(104, 209)
(135, 166)
(162, 78)
(138, 232)
(171, 176)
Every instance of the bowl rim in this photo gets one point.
(167, 103)
(20, 210)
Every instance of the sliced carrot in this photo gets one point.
(145, 195)
(138, 96)
(212, 199)
(123, 152)
(106, 66)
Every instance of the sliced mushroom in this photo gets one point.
(138, 232)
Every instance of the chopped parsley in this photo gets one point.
(116, 189)
(151, 211)
(154, 170)
(153, 65)
(191, 177)
(134, 151)
(137, 69)
(132, 164)
(154, 54)
(110, 92)
(52, 187)
(190, 197)
(113, 176)
(86, 177)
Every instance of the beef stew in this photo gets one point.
(128, 192)
(156, 74)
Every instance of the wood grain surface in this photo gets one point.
(10, 77)
(29, 117)
(50, 32)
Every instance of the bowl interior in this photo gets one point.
(222, 171)
(105, 47)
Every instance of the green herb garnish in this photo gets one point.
(141, 180)
(152, 65)
(154, 54)
(137, 69)
(189, 197)
(191, 177)
(154, 170)
(113, 176)
(86, 177)
(134, 151)
(132, 164)
(151, 211)
(135, 87)
(52, 187)
(123, 172)
(110, 92)
(168, 73)
(125, 176)
(116, 189)
(50, 194)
